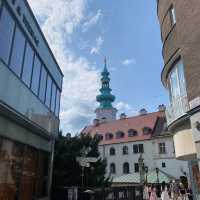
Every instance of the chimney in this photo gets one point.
(161, 108)
(96, 122)
(122, 116)
(143, 111)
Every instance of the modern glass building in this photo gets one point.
(30, 89)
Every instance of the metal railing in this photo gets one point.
(177, 109)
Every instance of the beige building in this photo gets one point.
(180, 30)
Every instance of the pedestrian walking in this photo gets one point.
(146, 192)
(164, 194)
(153, 195)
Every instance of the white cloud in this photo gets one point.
(123, 107)
(91, 21)
(81, 81)
(97, 47)
(128, 61)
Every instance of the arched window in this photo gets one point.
(147, 130)
(126, 168)
(125, 150)
(109, 136)
(119, 134)
(132, 132)
(112, 168)
(99, 136)
(112, 151)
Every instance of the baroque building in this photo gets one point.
(125, 139)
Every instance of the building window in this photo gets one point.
(6, 34)
(119, 134)
(135, 148)
(112, 151)
(109, 136)
(112, 168)
(162, 149)
(177, 82)
(36, 75)
(57, 103)
(17, 52)
(136, 165)
(132, 132)
(28, 65)
(43, 81)
(147, 130)
(125, 150)
(48, 91)
(126, 168)
(141, 148)
(53, 97)
(172, 15)
(163, 165)
(138, 148)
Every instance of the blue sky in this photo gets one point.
(82, 32)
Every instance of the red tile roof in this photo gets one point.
(136, 123)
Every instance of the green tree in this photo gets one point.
(67, 171)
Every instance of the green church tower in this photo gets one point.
(105, 111)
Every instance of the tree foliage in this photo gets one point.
(67, 171)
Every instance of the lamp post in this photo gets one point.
(157, 171)
(146, 172)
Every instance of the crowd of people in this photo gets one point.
(172, 191)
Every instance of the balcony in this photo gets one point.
(177, 109)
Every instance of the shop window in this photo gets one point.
(6, 34)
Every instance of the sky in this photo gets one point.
(82, 32)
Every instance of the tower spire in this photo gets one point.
(105, 98)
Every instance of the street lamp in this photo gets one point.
(157, 171)
(146, 172)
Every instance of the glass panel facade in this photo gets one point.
(43, 81)
(48, 91)
(53, 97)
(57, 103)
(17, 52)
(36, 75)
(6, 34)
(28, 64)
